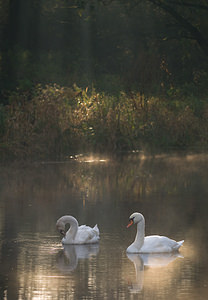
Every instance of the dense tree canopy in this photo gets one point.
(102, 74)
(146, 45)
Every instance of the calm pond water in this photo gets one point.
(170, 190)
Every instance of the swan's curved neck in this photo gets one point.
(139, 239)
(73, 226)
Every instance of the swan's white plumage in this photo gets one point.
(159, 244)
(84, 235)
(152, 243)
(76, 234)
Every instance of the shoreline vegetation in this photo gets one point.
(53, 121)
(105, 77)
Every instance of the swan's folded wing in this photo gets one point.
(157, 244)
(87, 234)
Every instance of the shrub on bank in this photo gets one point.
(52, 122)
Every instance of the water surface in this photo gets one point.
(170, 190)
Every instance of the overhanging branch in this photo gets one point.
(195, 33)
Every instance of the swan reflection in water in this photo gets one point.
(69, 256)
(151, 260)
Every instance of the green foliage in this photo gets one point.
(52, 122)
(154, 51)
(139, 45)
(2, 120)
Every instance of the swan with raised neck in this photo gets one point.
(152, 243)
(76, 234)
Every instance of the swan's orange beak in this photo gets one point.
(130, 223)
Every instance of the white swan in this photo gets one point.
(152, 243)
(77, 234)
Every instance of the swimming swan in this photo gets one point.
(152, 243)
(77, 234)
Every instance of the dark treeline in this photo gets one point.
(154, 51)
(145, 45)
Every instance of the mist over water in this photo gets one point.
(169, 190)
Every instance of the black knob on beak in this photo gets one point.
(62, 232)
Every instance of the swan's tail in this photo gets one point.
(96, 229)
(179, 244)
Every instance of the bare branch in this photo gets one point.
(188, 4)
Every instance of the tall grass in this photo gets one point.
(52, 122)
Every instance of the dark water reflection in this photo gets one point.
(172, 193)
